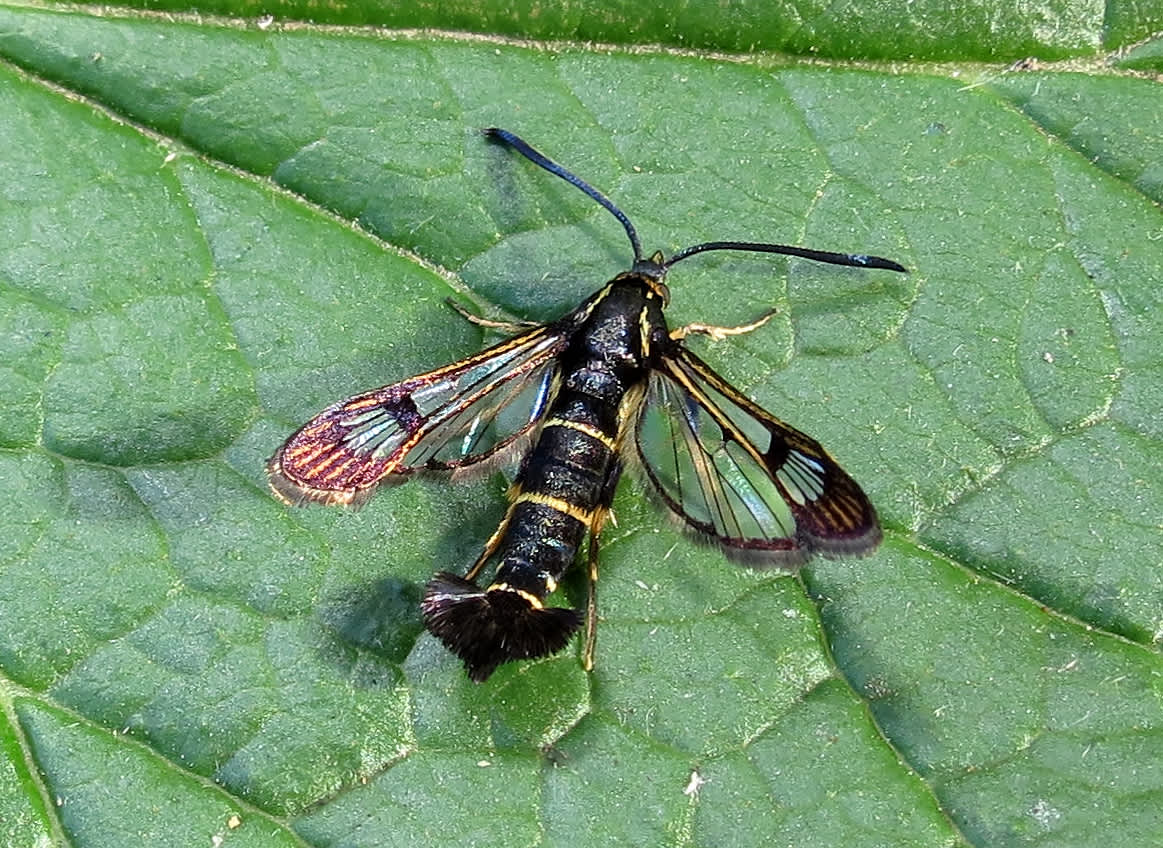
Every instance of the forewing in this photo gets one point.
(763, 490)
(447, 419)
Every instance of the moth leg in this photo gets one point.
(490, 548)
(591, 636)
(599, 518)
(506, 326)
(720, 333)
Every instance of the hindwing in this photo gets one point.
(762, 489)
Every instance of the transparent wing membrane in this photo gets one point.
(728, 469)
(447, 419)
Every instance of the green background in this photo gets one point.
(209, 230)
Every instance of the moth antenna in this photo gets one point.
(488, 627)
(537, 158)
(851, 260)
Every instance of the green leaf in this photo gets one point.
(184, 661)
(887, 29)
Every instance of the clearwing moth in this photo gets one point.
(607, 386)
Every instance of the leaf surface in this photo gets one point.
(210, 231)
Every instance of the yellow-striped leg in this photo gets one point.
(506, 326)
(597, 520)
(720, 333)
(490, 547)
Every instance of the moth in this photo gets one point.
(605, 387)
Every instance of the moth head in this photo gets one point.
(652, 271)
